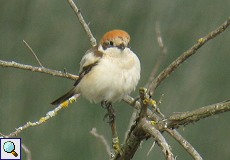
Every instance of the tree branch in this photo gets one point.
(33, 53)
(141, 130)
(136, 134)
(156, 134)
(151, 148)
(92, 40)
(175, 64)
(186, 145)
(185, 118)
(44, 119)
(103, 140)
(160, 58)
(132, 143)
(38, 69)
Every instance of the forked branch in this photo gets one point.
(175, 64)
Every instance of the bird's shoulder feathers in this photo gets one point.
(88, 61)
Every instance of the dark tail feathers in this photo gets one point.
(64, 97)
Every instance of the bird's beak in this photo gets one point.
(121, 46)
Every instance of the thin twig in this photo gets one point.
(151, 148)
(186, 145)
(44, 119)
(113, 126)
(156, 134)
(103, 140)
(37, 69)
(131, 102)
(175, 64)
(92, 40)
(161, 57)
(131, 121)
(144, 102)
(33, 53)
(27, 152)
(160, 39)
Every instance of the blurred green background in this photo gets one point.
(53, 31)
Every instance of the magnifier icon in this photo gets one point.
(9, 147)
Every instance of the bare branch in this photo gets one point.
(186, 145)
(156, 134)
(112, 122)
(160, 39)
(33, 53)
(160, 58)
(136, 134)
(144, 102)
(185, 118)
(103, 140)
(131, 101)
(132, 143)
(139, 132)
(92, 40)
(37, 69)
(151, 148)
(44, 119)
(175, 64)
(131, 121)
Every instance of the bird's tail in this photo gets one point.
(64, 97)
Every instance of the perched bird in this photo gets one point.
(108, 71)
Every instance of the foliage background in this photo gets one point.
(53, 31)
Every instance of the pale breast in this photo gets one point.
(111, 79)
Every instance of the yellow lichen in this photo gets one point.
(153, 103)
(116, 145)
(153, 122)
(65, 104)
(201, 40)
(150, 102)
(72, 100)
(42, 119)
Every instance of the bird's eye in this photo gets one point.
(107, 44)
(111, 43)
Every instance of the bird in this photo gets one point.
(108, 71)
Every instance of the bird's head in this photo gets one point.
(115, 39)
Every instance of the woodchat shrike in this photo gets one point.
(108, 71)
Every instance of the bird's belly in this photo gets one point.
(107, 84)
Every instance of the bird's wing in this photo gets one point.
(88, 61)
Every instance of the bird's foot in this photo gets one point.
(110, 115)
